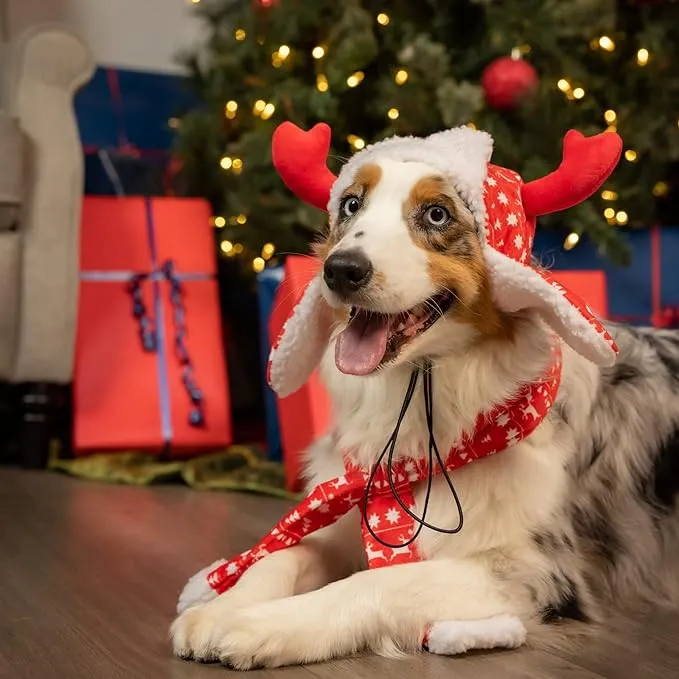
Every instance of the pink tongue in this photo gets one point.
(361, 346)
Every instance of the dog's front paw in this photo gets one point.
(195, 631)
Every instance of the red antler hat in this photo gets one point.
(504, 209)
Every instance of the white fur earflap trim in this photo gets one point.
(304, 338)
(517, 286)
(462, 154)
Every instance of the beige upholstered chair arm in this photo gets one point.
(47, 65)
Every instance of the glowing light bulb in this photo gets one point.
(231, 109)
(609, 213)
(318, 52)
(631, 155)
(564, 85)
(355, 79)
(226, 163)
(606, 43)
(321, 83)
(268, 111)
(258, 107)
(401, 76)
(241, 219)
(237, 248)
(173, 123)
(621, 217)
(660, 189)
(240, 34)
(383, 19)
(392, 113)
(356, 142)
(572, 239)
(258, 264)
(267, 250)
(226, 246)
(578, 93)
(276, 60)
(609, 195)
(220, 222)
(610, 116)
(642, 56)
(283, 51)
(237, 164)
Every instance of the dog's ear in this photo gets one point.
(302, 342)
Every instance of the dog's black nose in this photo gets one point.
(347, 271)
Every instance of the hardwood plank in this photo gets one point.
(89, 575)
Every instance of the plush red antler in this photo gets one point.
(587, 163)
(300, 158)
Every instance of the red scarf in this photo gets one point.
(495, 431)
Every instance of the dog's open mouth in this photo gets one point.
(372, 339)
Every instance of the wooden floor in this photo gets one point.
(89, 575)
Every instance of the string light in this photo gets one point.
(226, 163)
(195, 2)
(258, 264)
(318, 52)
(220, 222)
(237, 249)
(642, 56)
(267, 250)
(606, 43)
(572, 239)
(355, 79)
(283, 52)
(383, 19)
(241, 219)
(564, 85)
(609, 213)
(578, 93)
(356, 142)
(237, 167)
(609, 195)
(610, 116)
(321, 83)
(258, 107)
(631, 155)
(276, 60)
(401, 76)
(612, 128)
(392, 113)
(660, 189)
(268, 111)
(621, 217)
(231, 109)
(240, 34)
(471, 126)
(226, 246)
(173, 123)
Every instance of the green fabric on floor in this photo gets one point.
(238, 468)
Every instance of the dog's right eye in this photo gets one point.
(350, 206)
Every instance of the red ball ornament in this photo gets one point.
(505, 81)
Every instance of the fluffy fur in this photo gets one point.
(567, 523)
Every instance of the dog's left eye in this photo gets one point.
(436, 216)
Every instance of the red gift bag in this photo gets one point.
(305, 415)
(150, 369)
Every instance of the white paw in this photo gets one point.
(269, 634)
(452, 637)
(197, 590)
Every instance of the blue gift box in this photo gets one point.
(629, 288)
(267, 284)
(126, 114)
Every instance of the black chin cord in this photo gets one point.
(390, 449)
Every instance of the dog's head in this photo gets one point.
(427, 249)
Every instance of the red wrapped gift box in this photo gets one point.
(305, 415)
(157, 380)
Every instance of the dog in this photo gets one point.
(567, 523)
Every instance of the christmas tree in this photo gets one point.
(524, 70)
